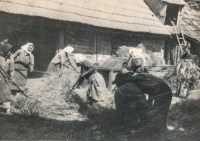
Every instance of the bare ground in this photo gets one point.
(100, 126)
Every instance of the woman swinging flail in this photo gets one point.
(96, 93)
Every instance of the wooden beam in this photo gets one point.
(95, 47)
(110, 80)
(178, 17)
(61, 41)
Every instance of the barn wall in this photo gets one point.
(195, 49)
(43, 33)
(48, 36)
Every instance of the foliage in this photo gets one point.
(183, 78)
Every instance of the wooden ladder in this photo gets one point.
(180, 37)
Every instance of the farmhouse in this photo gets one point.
(95, 28)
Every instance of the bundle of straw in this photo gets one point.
(49, 98)
(150, 58)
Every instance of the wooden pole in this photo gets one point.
(178, 54)
(175, 55)
(178, 17)
(110, 80)
(61, 41)
(95, 47)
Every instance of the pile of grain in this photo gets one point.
(50, 100)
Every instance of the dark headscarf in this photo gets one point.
(4, 49)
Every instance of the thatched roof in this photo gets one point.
(190, 23)
(129, 15)
(178, 2)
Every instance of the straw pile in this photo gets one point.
(122, 51)
(49, 99)
(150, 58)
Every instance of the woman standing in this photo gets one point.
(6, 68)
(24, 62)
(96, 94)
(60, 60)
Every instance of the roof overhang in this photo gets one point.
(177, 2)
(129, 15)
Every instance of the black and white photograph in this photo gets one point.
(100, 70)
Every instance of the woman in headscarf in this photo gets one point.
(7, 64)
(96, 94)
(60, 60)
(134, 63)
(24, 62)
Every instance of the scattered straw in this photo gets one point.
(49, 99)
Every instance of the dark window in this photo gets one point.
(172, 14)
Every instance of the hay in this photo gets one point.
(150, 58)
(122, 51)
(49, 100)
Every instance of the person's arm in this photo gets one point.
(134, 78)
(17, 53)
(72, 64)
(89, 67)
(9, 69)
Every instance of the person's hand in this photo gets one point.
(82, 75)
(31, 70)
(124, 65)
(6, 80)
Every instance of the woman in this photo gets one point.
(60, 60)
(159, 93)
(96, 94)
(7, 65)
(130, 101)
(24, 62)
(186, 53)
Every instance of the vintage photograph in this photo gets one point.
(100, 70)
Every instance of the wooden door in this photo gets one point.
(103, 48)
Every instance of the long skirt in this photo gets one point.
(5, 93)
(97, 90)
(20, 76)
(129, 102)
(162, 99)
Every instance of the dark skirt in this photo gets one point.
(128, 101)
(5, 93)
(162, 97)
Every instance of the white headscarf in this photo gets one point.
(25, 48)
(68, 49)
(79, 58)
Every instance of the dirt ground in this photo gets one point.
(102, 127)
